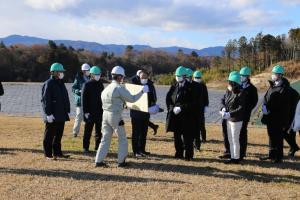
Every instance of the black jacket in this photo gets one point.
(234, 103)
(251, 100)
(91, 100)
(152, 98)
(183, 98)
(294, 99)
(55, 100)
(198, 99)
(204, 95)
(277, 101)
(1, 89)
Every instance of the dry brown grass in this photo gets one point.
(25, 174)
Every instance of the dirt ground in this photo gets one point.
(25, 174)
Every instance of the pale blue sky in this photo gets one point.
(187, 23)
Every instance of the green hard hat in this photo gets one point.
(95, 70)
(189, 72)
(57, 67)
(235, 77)
(278, 69)
(197, 74)
(180, 71)
(245, 71)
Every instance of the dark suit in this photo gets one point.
(140, 120)
(182, 123)
(92, 104)
(251, 101)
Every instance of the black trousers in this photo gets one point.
(52, 138)
(202, 128)
(139, 134)
(184, 143)
(290, 138)
(244, 139)
(151, 125)
(275, 133)
(88, 128)
(197, 132)
(225, 137)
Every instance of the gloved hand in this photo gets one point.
(145, 89)
(222, 111)
(226, 115)
(153, 109)
(86, 115)
(265, 110)
(50, 118)
(205, 109)
(176, 110)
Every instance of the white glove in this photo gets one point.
(176, 110)
(87, 115)
(223, 110)
(205, 109)
(50, 118)
(226, 115)
(145, 89)
(265, 110)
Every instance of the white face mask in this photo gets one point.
(61, 75)
(274, 77)
(87, 73)
(244, 79)
(198, 80)
(179, 79)
(229, 87)
(97, 77)
(144, 81)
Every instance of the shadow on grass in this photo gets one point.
(217, 173)
(78, 175)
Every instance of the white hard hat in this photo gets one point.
(118, 70)
(138, 72)
(85, 67)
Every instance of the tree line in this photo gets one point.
(32, 63)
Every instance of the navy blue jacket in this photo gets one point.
(55, 100)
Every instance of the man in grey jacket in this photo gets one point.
(113, 98)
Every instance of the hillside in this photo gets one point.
(111, 48)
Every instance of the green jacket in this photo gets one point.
(77, 87)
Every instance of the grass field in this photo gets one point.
(25, 174)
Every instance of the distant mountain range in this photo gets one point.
(111, 48)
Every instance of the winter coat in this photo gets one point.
(251, 97)
(55, 100)
(77, 88)
(91, 100)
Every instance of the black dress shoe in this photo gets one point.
(63, 156)
(101, 164)
(123, 164)
(178, 157)
(138, 155)
(264, 158)
(277, 160)
(86, 151)
(225, 156)
(232, 161)
(155, 128)
(293, 151)
(146, 153)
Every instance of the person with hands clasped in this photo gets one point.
(179, 101)
(233, 111)
(56, 109)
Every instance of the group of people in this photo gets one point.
(187, 102)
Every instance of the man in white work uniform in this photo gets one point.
(113, 98)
